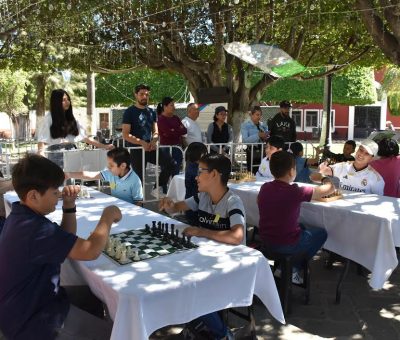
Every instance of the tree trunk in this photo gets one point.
(91, 104)
(41, 80)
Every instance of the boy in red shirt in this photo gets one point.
(279, 206)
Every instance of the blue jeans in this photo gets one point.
(215, 324)
(311, 240)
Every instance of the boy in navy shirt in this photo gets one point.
(32, 248)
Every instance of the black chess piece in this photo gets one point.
(189, 243)
(147, 229)
(154, 223)
(172, 229)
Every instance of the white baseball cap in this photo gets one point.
(370, 146)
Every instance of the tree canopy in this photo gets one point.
(186, 37)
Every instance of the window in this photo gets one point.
(298, 119)
(104, 120)
(311, 119)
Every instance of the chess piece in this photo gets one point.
(172, 230)
(136, 257)
(147, 229)
(123, 255)
(118, 253)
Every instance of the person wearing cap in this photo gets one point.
(357, 176)
(219, 131)
(254, 131)
(282, 124)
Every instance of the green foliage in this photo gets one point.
(355, 86)
(391, 86)
(117, 89)
(12, 91)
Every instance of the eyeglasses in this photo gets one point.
(202, 170)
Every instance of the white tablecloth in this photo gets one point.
(172, 289)
(363, 228)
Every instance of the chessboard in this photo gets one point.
(336, 195)
(143, 244)
(240, 177)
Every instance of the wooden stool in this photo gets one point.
(284, 283)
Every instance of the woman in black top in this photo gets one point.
(219, 132)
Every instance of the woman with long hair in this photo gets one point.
(60, 130)
(171, 130)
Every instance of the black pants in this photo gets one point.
(256, 158)
(164, 159)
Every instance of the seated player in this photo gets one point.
(5, 185)
(32, 248)
(279, 207)
(124, 182)
(348, 148)
(273, 144)
(193, 154)
(388, 166)
(302, 164)
(221, 216)
(356, 176)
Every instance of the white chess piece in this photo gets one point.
(137, 257)
(111, 251)
(118, 251)
(123, 255)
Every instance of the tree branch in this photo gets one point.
(338, 67)
(375, 26)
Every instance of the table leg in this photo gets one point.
(343, 274)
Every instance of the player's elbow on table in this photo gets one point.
(85, 250)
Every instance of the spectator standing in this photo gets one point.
(60, 130)
(254, 131)
(389, 166)
(219, 131)
(193, 128)
(139, 129)
(282, 124)
(171, 131)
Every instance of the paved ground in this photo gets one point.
(362, 313)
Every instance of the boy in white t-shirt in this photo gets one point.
(357, 176)
(273, 144)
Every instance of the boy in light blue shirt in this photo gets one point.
(125, 184)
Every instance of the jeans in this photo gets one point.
(311, 240)
(215, 324)
(177, 158)
(167, 167)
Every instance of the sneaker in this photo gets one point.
(296, 278)
(229, 335)
(158, 193)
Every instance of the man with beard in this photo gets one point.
(282, 124)
(139, 128)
